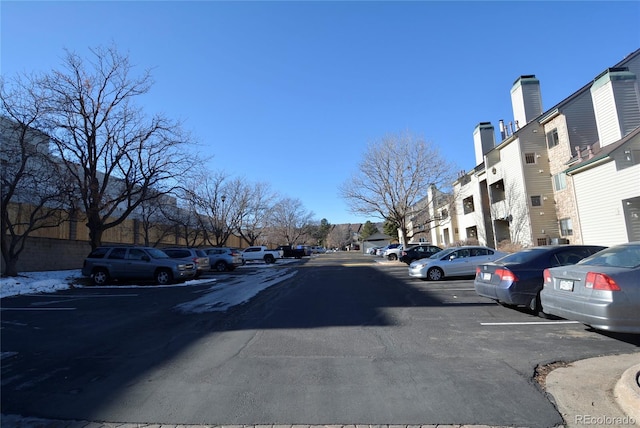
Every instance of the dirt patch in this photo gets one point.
(541, 372)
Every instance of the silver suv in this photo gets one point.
(199, 257)
(105, 264)
(224, 258)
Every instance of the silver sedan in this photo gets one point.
(456, 261)
(602, 291)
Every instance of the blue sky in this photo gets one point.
(291, 92)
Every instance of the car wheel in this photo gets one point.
(435, 274)
(163, 277)
(221, 266)
(100, 277)
(269, 259)
(393, 257)
(535, 306)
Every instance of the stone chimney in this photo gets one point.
(616, 104)
(526, 100)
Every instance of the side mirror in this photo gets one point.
(146, 258)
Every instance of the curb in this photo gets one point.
(627, 392)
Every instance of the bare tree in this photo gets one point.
(154, 225)
(216, 197)
(184, 219)
(34, 194)
(339, 236)
(289, 220)
(254, 216)
(117, 157)
(394, 174)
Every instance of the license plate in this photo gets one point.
(565, 285)
(486, 276)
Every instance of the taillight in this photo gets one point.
(600, 281)
(547, 276)
(478, 270)
(506, 275)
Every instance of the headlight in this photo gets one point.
(182, 267)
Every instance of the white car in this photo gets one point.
(455, 261)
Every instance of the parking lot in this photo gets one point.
(339, 338)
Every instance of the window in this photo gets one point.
(566, 228)
(476, 252)
(444, 214)
(472, 232)
(461, 254)
(552, 138)
(536, 201)
(136, 254)
(530, 158)
(542, 241)
(560, 181)
(118, 253)
(467, 205)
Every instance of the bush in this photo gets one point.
(509, 247)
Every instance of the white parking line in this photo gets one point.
(75, 296)
(530, 323)
(37, 309)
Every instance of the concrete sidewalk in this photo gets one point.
(596, 392)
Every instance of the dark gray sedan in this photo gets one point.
(602, 291)
(517, 280)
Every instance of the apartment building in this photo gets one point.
(570, 174)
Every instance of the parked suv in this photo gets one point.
(199, 257)
(224, 258)
(417, 252)
(105, 264)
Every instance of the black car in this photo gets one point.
(517, 279)
(418, 252)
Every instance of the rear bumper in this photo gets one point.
(504, 293)
(620, 317)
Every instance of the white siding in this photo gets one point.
(484, 140)
(604, 105)
(526, 100)
(599, 194)
(627, 98)
(516, 196)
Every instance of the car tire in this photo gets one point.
(269, 259)
(221, 266)
(535, 306)
(393, 257)
(435, 274)
(100, 277)
(163, 277)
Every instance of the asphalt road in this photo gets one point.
(344, 341)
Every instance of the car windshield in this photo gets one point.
(157, 254)
(627, 256)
